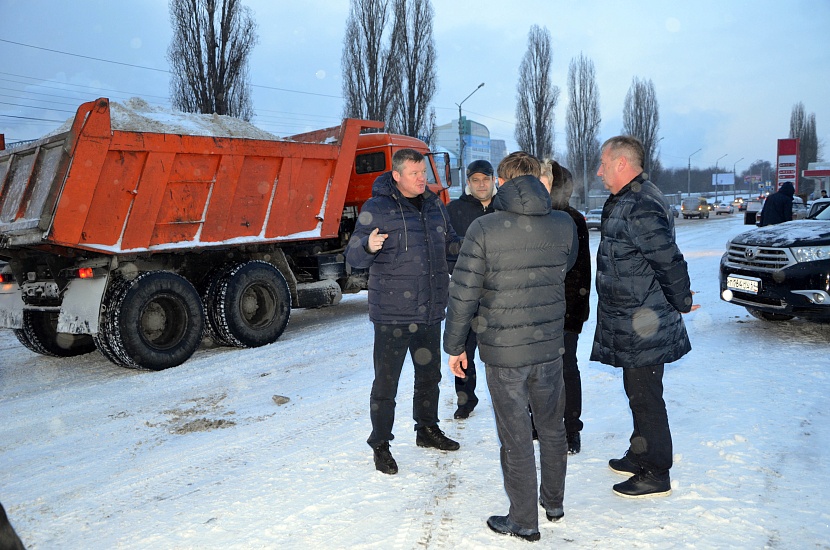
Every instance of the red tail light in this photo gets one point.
(85, 273)
(6, 278)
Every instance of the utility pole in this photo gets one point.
(734, 192)
(716, 178)
(461, 137)
(689, 177)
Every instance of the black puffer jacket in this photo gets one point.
(508, 284)
(778, 208)
(408, 277)
(642, 281)
(463, 211)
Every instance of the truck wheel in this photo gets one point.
(208, 288)
(40, 334)
(154, 321)
(767, 316)
(251, 305)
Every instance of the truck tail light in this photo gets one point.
(85, 273)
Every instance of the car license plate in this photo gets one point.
(743, 284)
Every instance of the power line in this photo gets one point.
(83, 56)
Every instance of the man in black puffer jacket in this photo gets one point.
(403, 236)
(509, 286)
(642, 287)
(475, 203)
(778, 208)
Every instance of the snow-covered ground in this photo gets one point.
(205, 456)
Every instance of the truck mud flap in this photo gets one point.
(81, 306)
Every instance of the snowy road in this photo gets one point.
(203, 456)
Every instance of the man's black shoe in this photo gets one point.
(462, 413)
(553, 515)
(574, 443)
(505, 526)
(644, 485)
(432, 436)
(384, 462)
(624, 466)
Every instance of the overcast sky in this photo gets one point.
(726, 73)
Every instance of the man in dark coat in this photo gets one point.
(475, 203)
(509, 286)
(778, 208)
(642, 286)
(403, 236)
(559, 182)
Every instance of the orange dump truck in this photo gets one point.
(139, 244)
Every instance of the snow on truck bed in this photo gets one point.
(136, 115)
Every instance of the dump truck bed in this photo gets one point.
(112, 191)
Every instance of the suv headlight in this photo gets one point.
(811, 253)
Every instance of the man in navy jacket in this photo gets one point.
(403, 236)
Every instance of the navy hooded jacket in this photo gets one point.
(408, 276)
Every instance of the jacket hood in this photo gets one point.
(787, 189)
(384, 186)
(523, 195)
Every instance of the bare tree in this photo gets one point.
(641, 117)
(212, 41)
(536, 96)
(371, 61)
(583, 121)
(413, 20)
(803, 127)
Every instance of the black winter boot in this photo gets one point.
(432, 436)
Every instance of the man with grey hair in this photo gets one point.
(643, 286)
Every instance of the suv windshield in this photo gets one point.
(823, 215)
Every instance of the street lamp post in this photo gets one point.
(716, 177)
(733, 177)
(689, 176)
(461, 139)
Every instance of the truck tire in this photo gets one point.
(208, 289)
(767, 316)
(249, 305)
(40, 335)
(154, 321)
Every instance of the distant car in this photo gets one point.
(674, 211)
(594, 218)
(799, 211)
(724, 208)
(739, 203)
(694, 207)
(817, 206)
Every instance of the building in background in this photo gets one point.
(498, 150)
(476, 142)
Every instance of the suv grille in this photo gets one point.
(759, 257)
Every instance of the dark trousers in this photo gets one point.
(511, 389)
(651, 444)
(573, 384)
(465, 388)
(391, 344)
